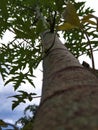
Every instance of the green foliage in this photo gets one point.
(15, 59)
(75, 38)
(27, 120)
(3, 16)
(72, 21)
(27, 19)
(21, 98)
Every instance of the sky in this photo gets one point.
(6, 112)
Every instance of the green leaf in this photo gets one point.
(40, 27)
(30, 81)
(21, 34)
(30, 98)
(21, 98)
(15, 104)
(3, 7)
(59, 4)
(18, 83)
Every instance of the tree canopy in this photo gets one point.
(27, 19)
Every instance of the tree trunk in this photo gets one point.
(70, 92)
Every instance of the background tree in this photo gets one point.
(28, 119)
(27, 20)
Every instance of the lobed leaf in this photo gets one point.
(70, 15)
(21, 98)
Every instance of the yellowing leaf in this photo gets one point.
(90, 22)
(70, 15)
(66, 26)
(86, 19)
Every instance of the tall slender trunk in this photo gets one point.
(70, 92)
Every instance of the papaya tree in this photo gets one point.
(69, 94)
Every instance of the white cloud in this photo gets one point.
(9, 120)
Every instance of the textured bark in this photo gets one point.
(70, 92)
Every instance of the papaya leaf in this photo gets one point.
(30, 81)
(3, 7)
(15, 68)
(71, 18)
(30, 96)
(21, 98)
(15, 104)
(8, 81)
(91, 22)
(87, 17)
(3, 71)
(59, 4)
(23, 92)
(66, 26)
(70, 15)
(20, 34)
(16, 80)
